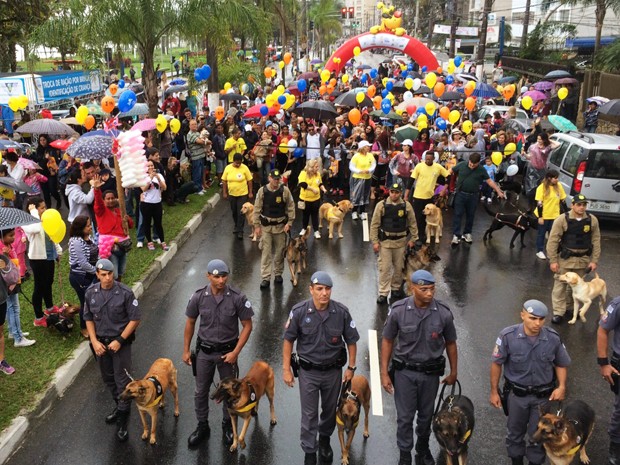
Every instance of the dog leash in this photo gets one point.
(450, 399)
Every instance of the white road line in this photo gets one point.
(375, 374)
(365, 230)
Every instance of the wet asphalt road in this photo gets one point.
(483, 284)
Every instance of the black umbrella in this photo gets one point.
(13, 217)
(348, 99)
(557, 74)
(173, 89)
(91, 148)
(448, 96)
(317, 109)
(399, 87)
(421, 90)
(14, 184)
(611, 108)
(233, 97)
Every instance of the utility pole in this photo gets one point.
(483, 37)
(502, 30)
(431, 25)
(454, 22)
(304, 28)
(526, 23)
(417, 16)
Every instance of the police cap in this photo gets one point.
(217, 267)
(396, 187)
(275, 174)
(536, 308)
(104, 264)
(579, 198)
(322, 278)
(422, 278)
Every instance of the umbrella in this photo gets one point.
(6, 144)
(448, 96)
(348, 99)
(557, 74)
(13, 217)
(600, 101)
(564, 81)
(561, 123)
(178, 82)
(310, 75)
(254, 112)
(46, 126)
(364, 67)
(611, 108)
(317, 110)
(61, 144)
(466, 77)
(536, 95)
(399, 87)
(91, 148)
(422, 90)
(233, 97)
(71, 120)
(173, 89)
(14, 184)
(137, 110)
(419, 102)
(407, 131)
(102, 133)
(95, 110)
(508, 79)
(543, 85)
(147, 124)
(391, 115)
(482, 90)
(28, 164)
(316, 61)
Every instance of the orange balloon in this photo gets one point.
(330, 89)
(439, 70)
(276, 105)
(267, 72)
(322, 90)
(439, 89)
(113, 89)
(219, 112)
(355, 116)
(377, 102)
(371, 91)
(510, 91)
(444, 112)
(108, 104)
(287, 58)
(470, 103)
(469, 88)
(333, 82)
(89, 122)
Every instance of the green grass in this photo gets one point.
(35, 366)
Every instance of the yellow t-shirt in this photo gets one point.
(237, 179)
(239, 145)
(363, 163)
(550, 201)
(313, 181)
(426, 177)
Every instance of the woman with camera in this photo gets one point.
(151, 206)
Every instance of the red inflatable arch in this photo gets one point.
(405, 44)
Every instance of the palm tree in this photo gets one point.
(327, 23)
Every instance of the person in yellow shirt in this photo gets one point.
(237, 185)
(551, 199)
(362, 165)
(311, 185)
(234, 144)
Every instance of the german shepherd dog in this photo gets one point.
(453, 425)
(565, 435)
(349, 410)
(417, 259)
(242, 397)
(149, 393)
(295, 253)
(520, 222)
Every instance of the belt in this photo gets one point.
(221, 348)
(467, 193)
(306, 365)
(430, 367)
(266, 221)
(540, 391)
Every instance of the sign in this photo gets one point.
(67, 85)
(491, 19)
(11, 87)
(383, 40)
(492, 35)
(460, 31)
(457, 43)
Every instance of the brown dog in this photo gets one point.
(434, 223)
(149, 393)
(585, 292)
(296, 251)
(242, 397)
(63, 320)
(349, 411)
(334, 215)
(565, 435)
(417, 260)
(247, 209)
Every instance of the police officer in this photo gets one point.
(112, 315)
(322, 327)
(425, 327)
(534, 361)
(392, 221)
(221, 308)
(574, 245)
(610, 321)
(274, 212)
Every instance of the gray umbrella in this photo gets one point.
(46, 126)
(173, 89)
(13, 217)
(233, 97)
(137, 110)
(14, 184)
(91, 148)
(317, 109)
(557, 74)
(611, 108)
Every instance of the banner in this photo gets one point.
(67, 85)
(11, 87)
(460, 31)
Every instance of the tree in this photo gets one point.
(600, 10)
(327, 23)
(608, 58)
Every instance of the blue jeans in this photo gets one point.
(119, 260)
(12, 315)
(80, 282)
(464, 203)
(198, 168)
(540, 238)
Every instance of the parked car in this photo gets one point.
(486, 109)
(589, 164)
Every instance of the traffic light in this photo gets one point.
(351, 12)
(343, 13)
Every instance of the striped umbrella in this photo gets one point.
(46, 126)
(137, 110)
(13, 217)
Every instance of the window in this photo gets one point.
(519, 16)
(556, 156)
(571, 159)
(564, 16)
(603, 164)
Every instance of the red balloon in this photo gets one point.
(411, 109)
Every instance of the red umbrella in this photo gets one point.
(62, 144)
(254, 111)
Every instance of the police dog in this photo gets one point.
(348, 413)
(63, 319)
(519, 222)
(242, 397)
(585, 292)
(334, 215)
(417, 259)
(434, 223)
(149, 393)
(295, 253)
(247, 209)
(565, 435)
(453, 426)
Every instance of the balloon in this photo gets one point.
(161, 123)
(121, 84)
(359, 97)
(322, 90)
(410, 67)
(389, 86)
(421, 111)
(496, 158)
(407, 95)
(377, 102)
(386, 106)
(264, 110)
(345, 78)
(441, 124)
(22, 102)
(470, 103)
(457, 61)
(53, 225)
(422, 116)
(439, 70)
(81, 114)
(371, 91)
(467, 127)
(273, 73)
(89, 122)
(454, 116)
(439, 89)
(206, 72)
(430, 108)
(287, 57)
(298, 153)
(175, 125)
(219, 112)
(512, 170)
(417, 83)
(107, 104)
(510, 148)
(364, 78)
(431, 79)
(330, 89)
(373, 73)
(270, 100)
(384, 93)
(13, 103)
(444, 112)
(281, 65)
(500, 89)
(422, 125)
(449, 79)
(197, 75)
(113, 89)
(355, 116)
(333, 82)
(469, 88)
(282, 99)
(562, 93)
(451, 68)
(384, 81)
(526, 102)
(411, 109)
(325, 75)
(302, 85)
(227, 86)
(267, 72)
(127, 100)
(357, 51)
(424, 69)
(408, 83)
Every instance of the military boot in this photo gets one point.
(614, 453)
(517, 460)
(202, 431)
(122, 417)
(227, 431)
(111, 417)
(423, 454)
(405, 458)
(325, 450)
(310, 458)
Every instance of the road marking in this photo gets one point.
(365, 230)
(375, 374)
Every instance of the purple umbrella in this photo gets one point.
(536, 95)
(543, 85)
(145, 125)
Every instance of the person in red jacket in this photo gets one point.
(172, 103)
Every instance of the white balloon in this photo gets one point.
(512, 170)
(407, 95)
(416, 83)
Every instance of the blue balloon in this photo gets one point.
(449, 79)
(264, 110)
(420, 111)
(206, 72)
(364, 78)
(404, 75)
(410, 67)
(384, 93)
(424, 68)
(457, 61)
(386, 105)
(282, 99)
(301, 85)
(389, 86)
(441, 124)
(127, 100)
(198, 75)
(373, 73)
(298, 152)
(121, 83)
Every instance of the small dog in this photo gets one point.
(295, 253)
(434, 223)
(349, 411)
(63, 320)
(565, 435)
(149, 393)
(453, 426)
(520, 222)
(585, 292)
(334, 215)
(247, 209)
(242, 397)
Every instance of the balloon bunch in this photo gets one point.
(132, 161)
(280, 98)
(161, 123)
(270, 73)
(18, 103)
(203, 73)
(286, 59)
(53, 225)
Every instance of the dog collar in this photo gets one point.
(466, 436)
(251, 402)
(158, 390)
(574, 450)
(348, 395)
(341, 423)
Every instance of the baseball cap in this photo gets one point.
(268, 123)
(580, 198)
(248, 127)
(104, 264)
(217, 267)
(536, 308)
(275, 174)
(396, 187)
(322, 278)
(422, 278)
(363, 144)
(408, 142)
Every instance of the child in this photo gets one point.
(6, 194)
(20, 245)
(487, 192)
(34, 180)
(109, 182)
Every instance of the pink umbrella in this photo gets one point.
(145, 125)
(28, 164)
(254, 111)
(536, 95)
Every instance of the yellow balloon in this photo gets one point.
(13, 103)
(22, 102)
(53, 225)
(227, 86)
(161, 123)
(345, 78)
(510, 148)
(359, 97)
(422, 124)
(562, 93)
(175, 125)
(526, 102)
(270, 100)
(280, 89)
(454, 116)
(273, 72)
(430, 108)
(500, 89)
(325, 75)
(431, 79)
(422, 117)
(384, 81)
(496, 158)
(467, 127)
(357, 51)
(408, 83)
(81, 114)
(58, 235)
(451, 68)
(281, 65)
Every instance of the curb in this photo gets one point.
(12, 437)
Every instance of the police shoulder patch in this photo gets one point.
(352, 324)
(610, 309)
(498, 342)
(248, 304)
(135, 302)
(496, 353)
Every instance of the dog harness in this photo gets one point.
(158, 390)
(517, 224)
(352, 396)
(251, 402)
(331, 215)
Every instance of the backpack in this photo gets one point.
(10, 273)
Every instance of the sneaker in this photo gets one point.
(354, 215)
(24, 342)
(42, 322)
(489, 200)
(317, 235)
(541, 255)
(6, 368)
(363, 216)
(139, 245)
(150, 246)
(483, 198)
(157, 241)
(455, 240)
(202, 192)
(23, 335)
(467, 238)
(302, 232)
(164, 246)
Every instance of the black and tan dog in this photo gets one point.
(356, 396)
(63, 320)
(564, 435)
(520, 222)
(149, 393)
(453, 425)
(295, 253)
(242, 397)
(417, 259)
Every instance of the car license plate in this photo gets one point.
(603, 207)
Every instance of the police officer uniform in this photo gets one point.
(529, 364)
(321, 337)
(111, 311)
(273, 210)
(610, 321)
(573, 244)
(417, 364)
(218, 334)
(392, 222)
